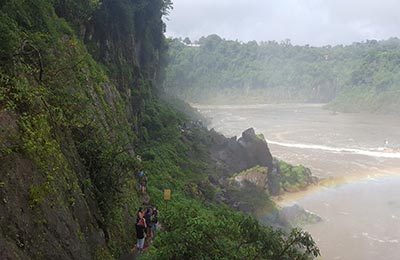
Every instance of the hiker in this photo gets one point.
(154, 220)
(139, 215)
(147, 217)
(143, 182)
(140, 173)
(140, 234)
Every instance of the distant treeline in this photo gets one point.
(358, 77)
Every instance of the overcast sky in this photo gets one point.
(314, 22)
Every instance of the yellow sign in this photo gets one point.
(167, 195)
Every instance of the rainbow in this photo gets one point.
(335, 182)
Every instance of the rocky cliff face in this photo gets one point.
(234, 155)
(43, 216)
(249, 175)
(74, 77)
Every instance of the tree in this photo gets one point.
(215, 233)
(187, 40)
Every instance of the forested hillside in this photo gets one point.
(358, 77)
(80, 113)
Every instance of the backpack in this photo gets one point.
(154, 218)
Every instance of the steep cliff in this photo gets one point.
(74, 77)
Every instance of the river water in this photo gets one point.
(358, 155)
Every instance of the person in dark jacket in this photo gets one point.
(154, 219)
(140, 231)
(147, 217)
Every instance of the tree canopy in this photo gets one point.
(361, 76)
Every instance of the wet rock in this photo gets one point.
(235, 156)
(257, 176)
(296, 216)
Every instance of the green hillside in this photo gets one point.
(358, 77)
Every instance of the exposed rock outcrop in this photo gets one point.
(235, 156)
(296, 216)
(256, 176)
(249, 160)
(250, 175)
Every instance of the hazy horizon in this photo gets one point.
(313, 22)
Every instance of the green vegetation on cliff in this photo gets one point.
(70, 118)
(78, 103)
(358, 77)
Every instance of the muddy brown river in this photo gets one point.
(358, 153)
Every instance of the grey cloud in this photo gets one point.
(315, 22)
